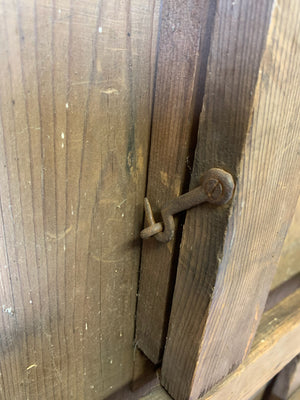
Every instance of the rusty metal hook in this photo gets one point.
(217, 187)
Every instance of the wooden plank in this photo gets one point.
(286, 382)
(276, 343)
(295, 396)
(157, 393)
(289, 264)
(280, 292)
(75, 109)
(259, 395)
(228, 255)
(295, 382)
(181, 70)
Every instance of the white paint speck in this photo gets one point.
(30, 301)
(62, 145)
(64, 247)
(100, 29)
(121, 334)
(110, 361)
(5, 266)
(92, 387)
(123, 215)
(67, 105)
(7, 310)
(62, 135)
(86, 326)
(59, 11)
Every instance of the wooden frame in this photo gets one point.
(181, 68)
(228, 256)
(84, 94)
(275, 345)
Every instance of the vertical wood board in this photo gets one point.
(229, 255)
(181, 68)
(289, 262)
(76, 84)
(275, 345)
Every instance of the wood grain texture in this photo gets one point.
(276, 343)
(75, 109)
(228, 256)
(289, 262)
(181, 68)
(283, 290)
(286, 382)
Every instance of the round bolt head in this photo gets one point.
(218, 185)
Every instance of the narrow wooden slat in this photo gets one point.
(181, 69)
(276, 343)
(228, 255)
(75, 113)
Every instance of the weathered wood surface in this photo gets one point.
(296, 395)
(289, 262)
(75, 108)
(158, 393)
(286, 382)
(295, 381)
(181, 69)
(276, 343)
(283, 290)
(229, 255)
(259, 395)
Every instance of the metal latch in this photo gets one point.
(216, 187)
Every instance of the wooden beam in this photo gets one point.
(229, 255)
(286, 382)
(75, 112)
(289, 262)
(295, 395)
(276, 343)
(181, 69)
(280, 292)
